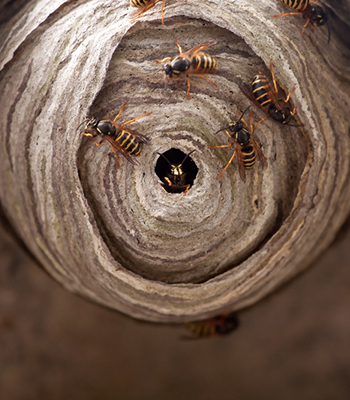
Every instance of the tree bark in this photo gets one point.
(115, 235)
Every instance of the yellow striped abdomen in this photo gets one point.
(204, 62)
(129, 143)
(139, 3)
(297, 5)
(248, 157)
(261, 87)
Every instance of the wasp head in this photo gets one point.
(318, 15)
(90, 128)
(176, 171)
(282, 116)
(168, 70)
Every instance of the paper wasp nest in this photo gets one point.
(116, 235)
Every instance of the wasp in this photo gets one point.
(264, 98)
(145, 5)
(192, 62)
(177, 178)
(125, 140)
(246, 147)
(314, 14)
(217, 326)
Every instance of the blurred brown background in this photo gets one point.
(293, 345)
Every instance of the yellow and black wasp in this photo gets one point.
(193, 61)
(145, 5)
(314, 13)
(264, 98)
(178, 178)
(125, 140)
(246, 147)
(217, 326)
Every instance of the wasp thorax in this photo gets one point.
(105, 128)
(243, 137)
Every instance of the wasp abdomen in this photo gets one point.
(138, 3)
(260, 86)
(298, 5)
(129, 143)
(204, 62)
(248, 157)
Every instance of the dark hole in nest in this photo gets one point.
(176, 170)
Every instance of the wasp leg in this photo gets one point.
(262, 119)
(187, 187)
(94, 140)
(201, 76)
(119, 112)
(147, 8)
(302, 31)
(205, 77)
(168, 180)
(133, 120)
(230, 161)
(178, 45)
(163, 12)
(172, 79)
(273, 79)
(286, 101)
(164, 59)
(293, 111)
(288, 95)
(289, 13)
(188, 86)
(222, 146)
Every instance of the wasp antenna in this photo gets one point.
(165, 158)
(296, 126)
(187, 156)
(84, 122)
(222, 129)
(243, 114)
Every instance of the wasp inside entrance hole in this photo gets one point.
(176, 170)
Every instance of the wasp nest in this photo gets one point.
(117, 236)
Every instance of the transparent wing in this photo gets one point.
(117, 146)
(200, 47)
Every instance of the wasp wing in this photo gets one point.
(241, 168)
(141, 138)
(115, 144)
(200, 47)
(202, 71)
(248, 94)
(260, 154)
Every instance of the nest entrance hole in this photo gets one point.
(176, 170)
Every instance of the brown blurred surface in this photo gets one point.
(55, 345)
